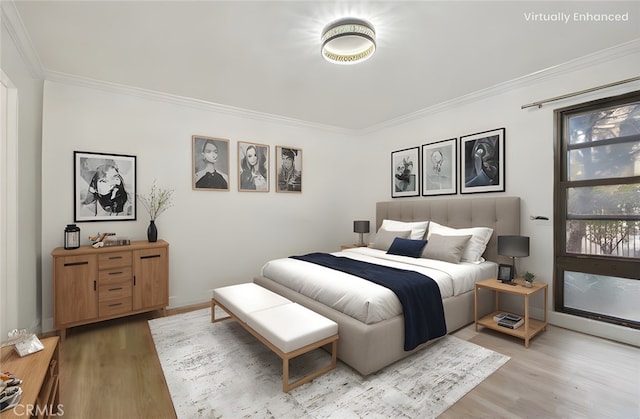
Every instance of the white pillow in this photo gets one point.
(475, 247)
(418, 228)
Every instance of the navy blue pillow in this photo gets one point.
(407, 247)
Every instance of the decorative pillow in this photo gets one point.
(475, 247)
(445, 248)
(407, 247)
(418, 228)
(384, 238)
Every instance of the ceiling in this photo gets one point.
(264, 56)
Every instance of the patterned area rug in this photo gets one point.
(220, 370)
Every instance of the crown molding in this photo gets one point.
(529, 80)
(12, 21)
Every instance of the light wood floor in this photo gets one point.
(111, 370)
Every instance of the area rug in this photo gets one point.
(220, 370)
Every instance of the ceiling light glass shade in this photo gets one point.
(348, 41)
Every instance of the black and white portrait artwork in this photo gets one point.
(253, 167)
(289, 165)
(405, 166)
(210, 158)
(104, 187)
(482, 162)
(439, 168)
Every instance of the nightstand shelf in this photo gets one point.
(531, 327)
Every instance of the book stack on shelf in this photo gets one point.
(508, 320)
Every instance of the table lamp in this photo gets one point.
(361, 227)
(513, 247)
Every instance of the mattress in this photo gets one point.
(363, 300)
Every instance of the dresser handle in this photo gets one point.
(115, 257)
(115, 305)
(149, 256)
(115, 289)
(85, 262)
(115, 273)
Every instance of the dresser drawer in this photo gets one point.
(114, 291)
(112, 307)
(115, 275)
(114, 260)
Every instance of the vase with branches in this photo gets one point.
(157, 201)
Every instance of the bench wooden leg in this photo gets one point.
(286, 385)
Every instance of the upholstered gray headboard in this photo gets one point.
(500, 213)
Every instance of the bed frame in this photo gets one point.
(369, 347)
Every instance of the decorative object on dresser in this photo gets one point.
(361, 227)
(104, 187)
(513, 247)
(156, 202)
(482, 159)
(405, 172)
(91, 285)
(71, 236)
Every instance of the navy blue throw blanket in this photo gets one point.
(419, 295)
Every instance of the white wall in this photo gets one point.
(216, 238)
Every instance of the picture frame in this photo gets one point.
(104, 187)
(482, 162)
(505, 273)
(289, 169)
(209, 163)
(405, 172)
(440, 168)
(253, 167)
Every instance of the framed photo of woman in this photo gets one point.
(405, 177)
(104, 187)
(289, 166)
(253, 167)
(210, 158)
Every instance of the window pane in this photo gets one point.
(608, 161)
(596, 237)
(606, 123)
(607, 295)
(604, 200)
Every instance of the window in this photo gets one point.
(597, 210)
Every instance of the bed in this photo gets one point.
(370, 341)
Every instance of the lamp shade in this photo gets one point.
(513, 246)
(361, 226)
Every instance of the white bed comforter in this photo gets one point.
(362, 299)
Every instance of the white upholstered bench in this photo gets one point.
(285, 327)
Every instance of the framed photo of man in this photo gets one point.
(405, 168)
(104, 187)
(253, 167)
(210, 168)
(289, 166)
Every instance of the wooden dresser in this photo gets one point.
(91, 285)
(39, 373)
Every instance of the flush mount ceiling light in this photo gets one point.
(348, 41)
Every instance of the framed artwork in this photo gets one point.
(289, 167)
(253, 167)
(439, 168)
(210, 164)
(405, 167)
(505, 273)
(104, 187)
(482, 162)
